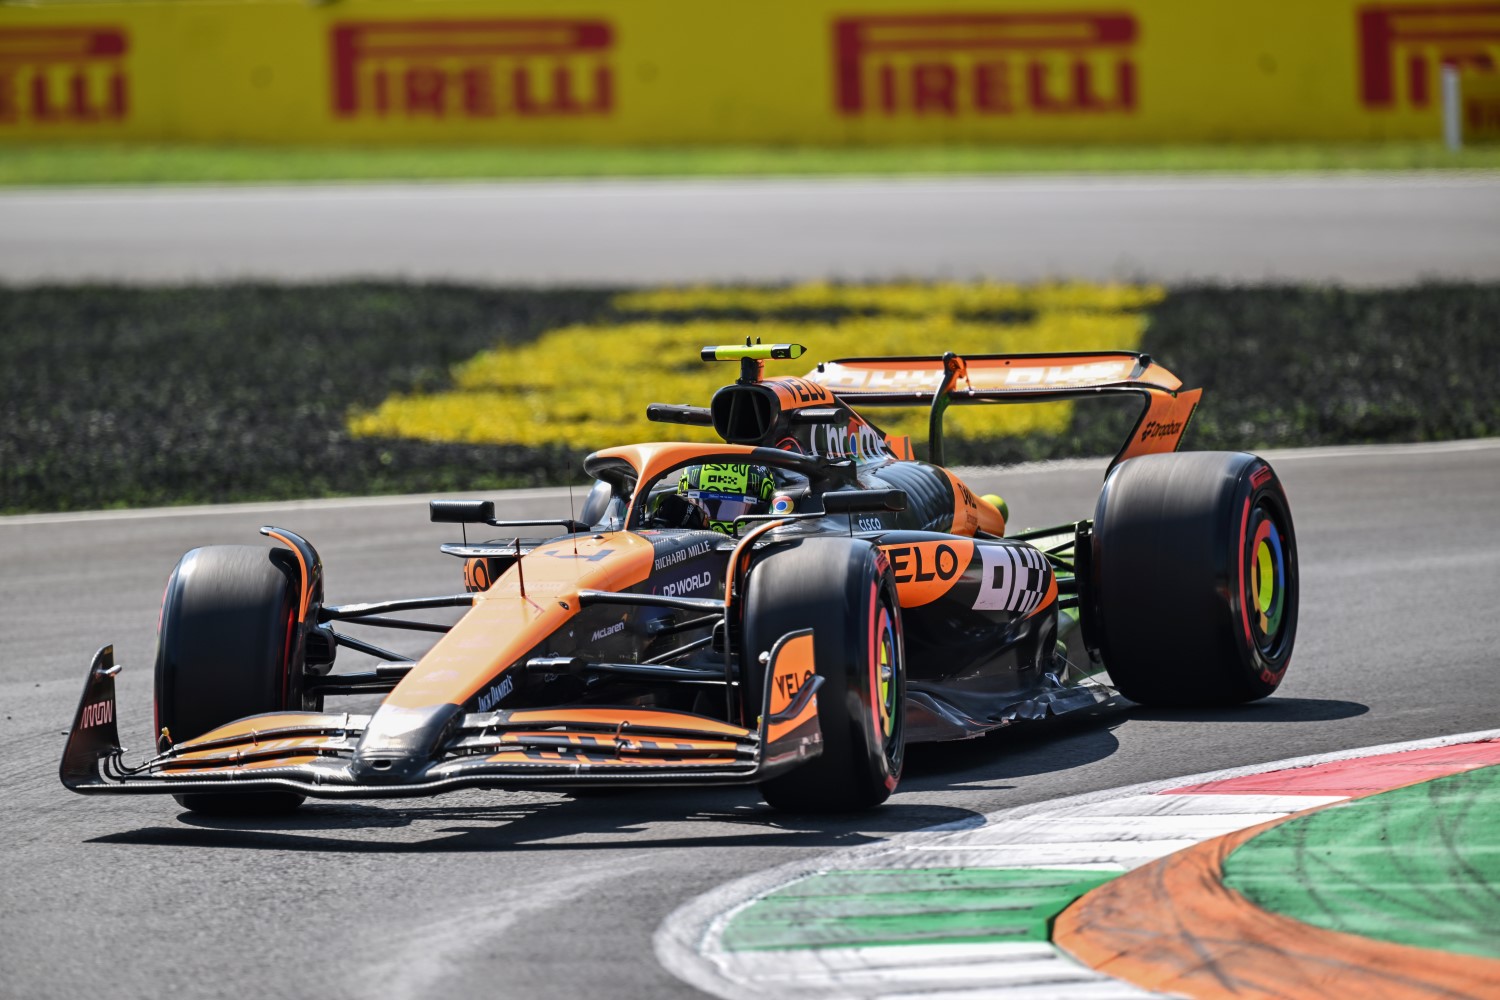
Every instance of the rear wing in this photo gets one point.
(937, 382)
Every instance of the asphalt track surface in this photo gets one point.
(1351, 229)
(496, 895)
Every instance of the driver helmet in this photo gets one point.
(725, 492)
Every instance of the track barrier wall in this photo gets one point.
(782, 71)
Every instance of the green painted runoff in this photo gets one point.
(910, 906)
(1417, 866)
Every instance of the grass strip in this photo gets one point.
(146, 163)
(114, 397)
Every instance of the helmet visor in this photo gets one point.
(723, 508)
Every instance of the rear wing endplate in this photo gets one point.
(939, 381)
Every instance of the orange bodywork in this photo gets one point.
(1022, 378)
(280, 748)
(793, 668)
(900, 446)
(253, 742)
(504, 624)
(1161, 427)
(780, 728)
(614, 735)
(794, 393)
(606, 757)
(248, 728)
(201, 768)
(1016, 374)
(656, 720)
(925, 571)
(304, 587)
(970, 514)
(607, 743)
(653, 459)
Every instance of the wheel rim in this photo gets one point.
(1269, 579)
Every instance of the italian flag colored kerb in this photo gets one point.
(1066, 898)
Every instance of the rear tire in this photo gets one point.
(843, 590)
(227, 649)
(1195, 578)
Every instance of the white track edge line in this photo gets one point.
(688, 185)
(281, 506)
(558, 492)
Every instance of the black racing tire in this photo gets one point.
(226, 649)
(1195, 578)
(841, 588)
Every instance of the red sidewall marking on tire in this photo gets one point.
(874, 661)
(286, 660)
(1244, 605)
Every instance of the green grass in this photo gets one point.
(22, 164)
(114, 396)
(129, 397)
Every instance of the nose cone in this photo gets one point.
(400, 744)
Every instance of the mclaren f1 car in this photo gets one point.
(786, 609)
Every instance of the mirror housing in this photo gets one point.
(864, 501)
(461, 511)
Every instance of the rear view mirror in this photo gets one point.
(863, 501)
(461, 511)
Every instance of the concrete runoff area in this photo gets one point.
(1351, 229)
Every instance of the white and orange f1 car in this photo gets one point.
(786, 609)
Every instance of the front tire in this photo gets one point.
(1195, 578)
(841, 588)
(227, 649)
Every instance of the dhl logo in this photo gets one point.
(985, 64)
(72, 76)
(464, 69)
(1403, 47)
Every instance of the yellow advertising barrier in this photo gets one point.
(1479, 108)
(780, 71)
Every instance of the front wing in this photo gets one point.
(310, 752)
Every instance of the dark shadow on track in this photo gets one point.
(624, 818)
(1269, 710)
(1017, 751)
(630, 819)
(548, 826)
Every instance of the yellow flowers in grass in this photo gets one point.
(587, 387)
(898, 299)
